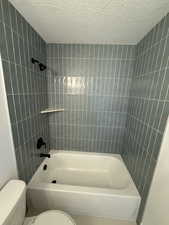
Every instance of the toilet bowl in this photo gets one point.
(53, 217)
(13, 208)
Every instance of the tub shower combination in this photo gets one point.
(91, 184)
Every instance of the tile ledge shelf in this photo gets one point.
(50, 110)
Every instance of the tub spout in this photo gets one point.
(44, 155)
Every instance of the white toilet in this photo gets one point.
(13, 208)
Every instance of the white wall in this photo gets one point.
(8, 169)
(157, 207)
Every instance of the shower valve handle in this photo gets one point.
(40, 143)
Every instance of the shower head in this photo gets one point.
(42, 67)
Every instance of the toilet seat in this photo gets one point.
(54, 217)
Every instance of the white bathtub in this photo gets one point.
(92, 184)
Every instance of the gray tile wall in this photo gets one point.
(92, 83)
(115, 99)
(148, 107)
(26, 86)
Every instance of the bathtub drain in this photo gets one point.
(53, 181)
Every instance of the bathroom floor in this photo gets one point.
(90, 220)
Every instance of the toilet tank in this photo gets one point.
(13, 203)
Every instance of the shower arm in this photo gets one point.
(41, 65)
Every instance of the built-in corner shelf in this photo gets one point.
(50, 110)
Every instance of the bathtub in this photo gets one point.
(91, 184)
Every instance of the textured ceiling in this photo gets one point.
(92, 21)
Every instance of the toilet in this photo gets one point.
(13, 208)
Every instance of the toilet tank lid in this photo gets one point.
(9, 195)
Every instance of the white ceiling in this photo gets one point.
(92, 21)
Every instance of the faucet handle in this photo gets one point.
(40, 143)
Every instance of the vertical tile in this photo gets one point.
(88, 95)
(148, 107)
(6, 11)
(3, 42)
(21, 79)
